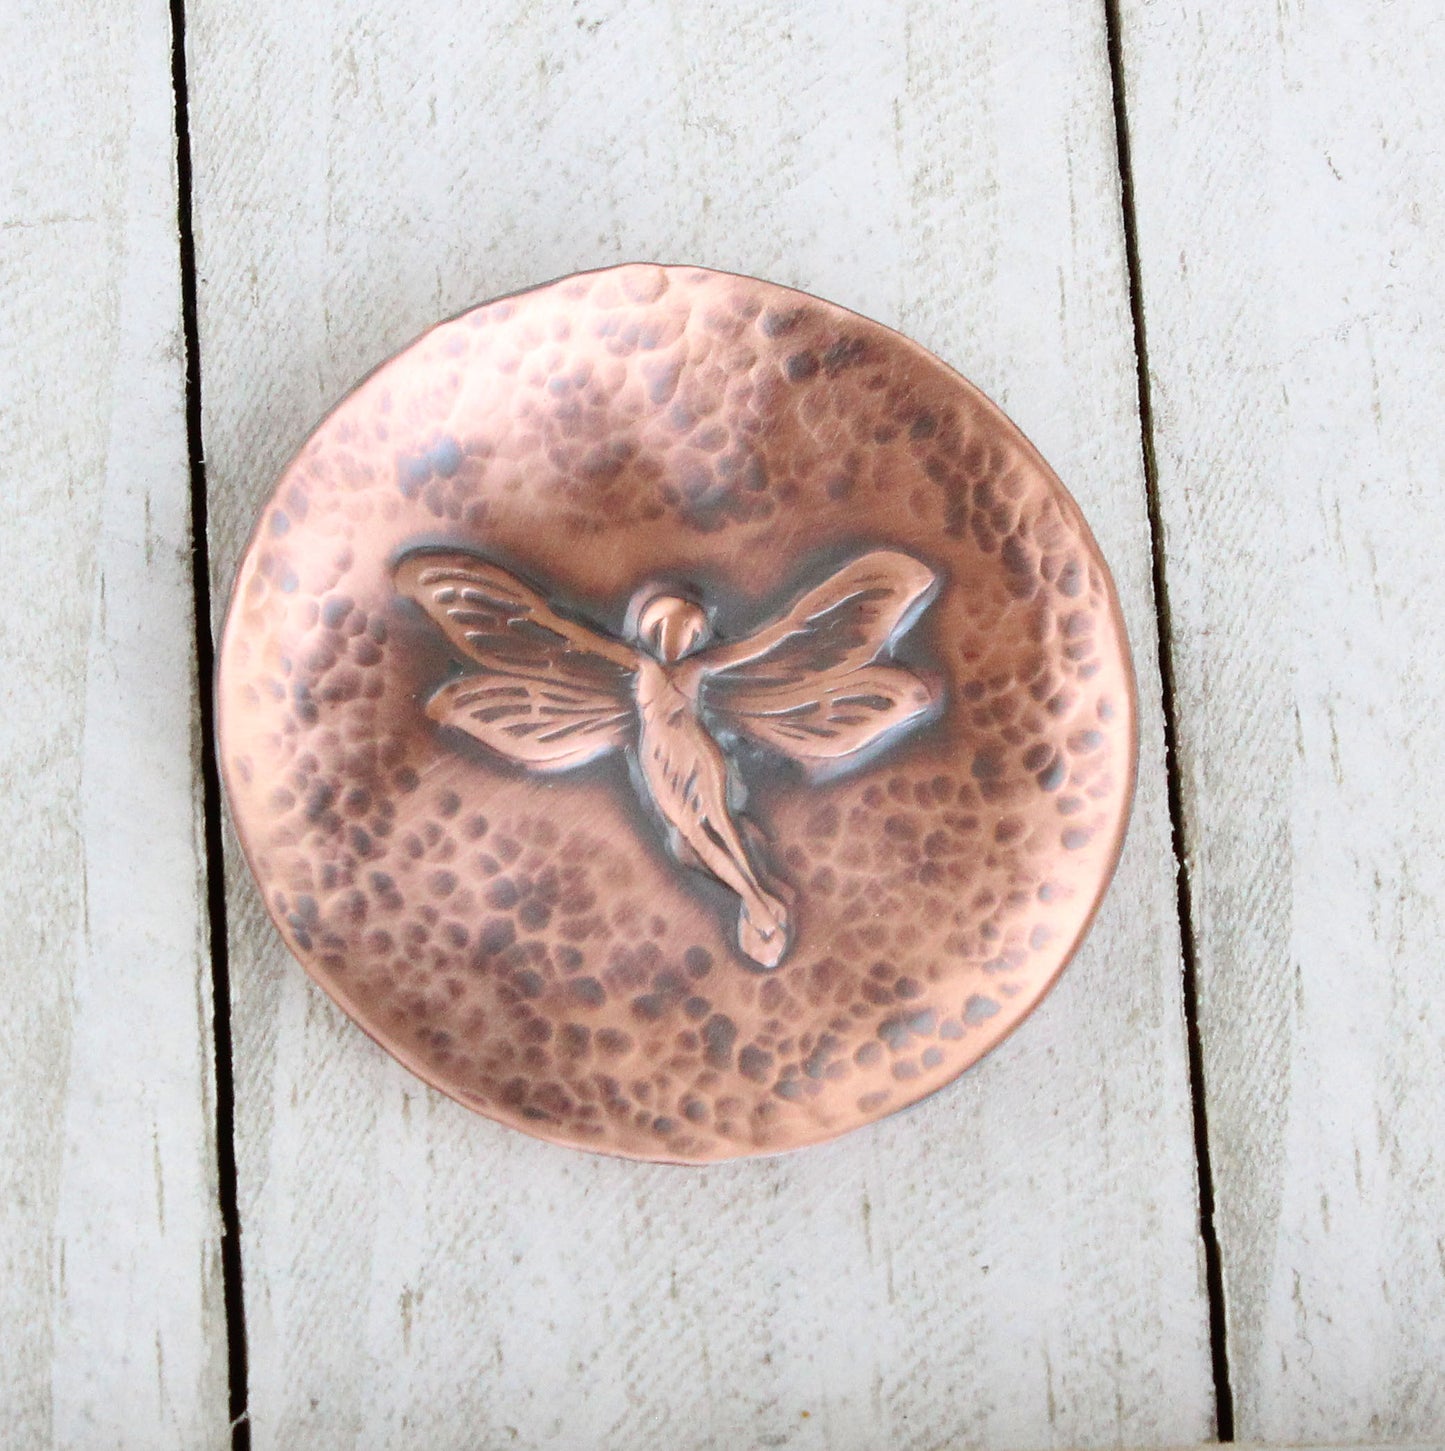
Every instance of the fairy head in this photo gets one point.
(668, 626)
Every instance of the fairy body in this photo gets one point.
(549, 692)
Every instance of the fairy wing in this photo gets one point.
(548, 692)
(810, 685)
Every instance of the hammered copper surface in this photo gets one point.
(676, 716)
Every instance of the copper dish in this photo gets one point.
(676, 716)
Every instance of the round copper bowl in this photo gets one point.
(676, 716)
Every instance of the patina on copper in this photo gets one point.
(676, 716)
(549, 693)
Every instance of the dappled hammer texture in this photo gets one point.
(525, 942)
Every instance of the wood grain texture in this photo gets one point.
(112, 1328)
(1289, 164)
(1016, 1261)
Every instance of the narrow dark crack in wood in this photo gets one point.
(225, 1125)
(1208, 1231)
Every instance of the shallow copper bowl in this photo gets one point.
(526, 941)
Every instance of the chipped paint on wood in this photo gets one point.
(112, 1327)
(1288, 181)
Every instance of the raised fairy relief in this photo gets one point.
(550, 693)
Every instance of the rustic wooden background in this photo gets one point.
(1194, 248)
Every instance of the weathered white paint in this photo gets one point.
(112, 1330)
(1290, 170)
(1014, 1263)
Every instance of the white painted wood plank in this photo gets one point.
(1290, 170)
(1014, 1263)
(112, 1327)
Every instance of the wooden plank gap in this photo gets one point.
(1208, 1233)
(225, 1132)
